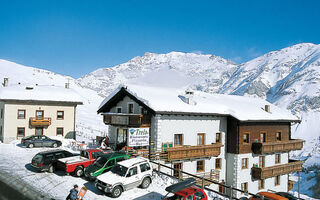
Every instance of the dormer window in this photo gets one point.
(130, 108)
(119, 109)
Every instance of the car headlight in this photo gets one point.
(109, 185)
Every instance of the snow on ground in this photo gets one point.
(16, 169)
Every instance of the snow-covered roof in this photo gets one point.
(171, 100)
(39, 93)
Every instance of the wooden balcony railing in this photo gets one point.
(267, 172)
(43, 121)
(127, 119)
(192, 152)
(281, 146)
(213, 175)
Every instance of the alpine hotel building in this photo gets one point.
(240, 141)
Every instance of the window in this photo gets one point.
(263, 136)
(277, 180)
(20, 132)
(143, 111)
(119, 159)
(60, 131)
(130, 108)
(261, 161)
(277, 158)
(60, 114)
(261, 184)
(201, 139)
(218, 163)
(246, 138)
(218, 137)
(199, 195)
(178, 139)
(200, 165)
(1, 113)
(278, 136)
(133, 171)
(244, 186)
(119, 109)
(177, 166)
(190, 197)
(39, 114)
(244, 164)
(111, 163)
(144, 167)
(21, 114)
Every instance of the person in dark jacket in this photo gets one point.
(73, 195)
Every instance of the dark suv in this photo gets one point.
(40, 141)
(47, 160)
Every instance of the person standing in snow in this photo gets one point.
(105, 143)
(73, 195)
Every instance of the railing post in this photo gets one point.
(159, 168)
(179, 178)
(231, 191)
(202, 185)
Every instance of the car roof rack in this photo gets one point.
(181, 185)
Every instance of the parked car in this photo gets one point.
(47, 160)
(186, 190)
(267, 196)
(76, 164)
(125, 175)
(287, 195)
(39, 141)
(103, 164)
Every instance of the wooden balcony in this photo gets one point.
(281, 146)
(122, 119)
(44, 121)
(213, 175)
(193, 152)
(276, 170)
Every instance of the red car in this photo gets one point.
(186, 190)
(76, 164)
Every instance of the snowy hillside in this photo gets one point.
(88, 122)
(288, 78)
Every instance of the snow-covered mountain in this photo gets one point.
(88, 122)
(288, 78)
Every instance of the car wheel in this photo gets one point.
(145, 183)
(116, 192)
(79, 171)
(30, 145)
(51, 169)
(55, 145)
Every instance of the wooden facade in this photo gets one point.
(264, 136)
(276, 170)
(194, 152)
(44, 121)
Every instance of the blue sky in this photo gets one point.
(77, 37)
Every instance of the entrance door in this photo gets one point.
(121, 138)
(39, 131)
(177, 166)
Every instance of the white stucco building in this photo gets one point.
(238, 140)
(42, 110)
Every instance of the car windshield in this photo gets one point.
(37, 158)
(101, 161)
(119, 169)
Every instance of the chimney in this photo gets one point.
(5, 82)
(189, 96)
(67, 85)
(267, 108)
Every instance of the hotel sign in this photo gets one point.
(138, 137)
